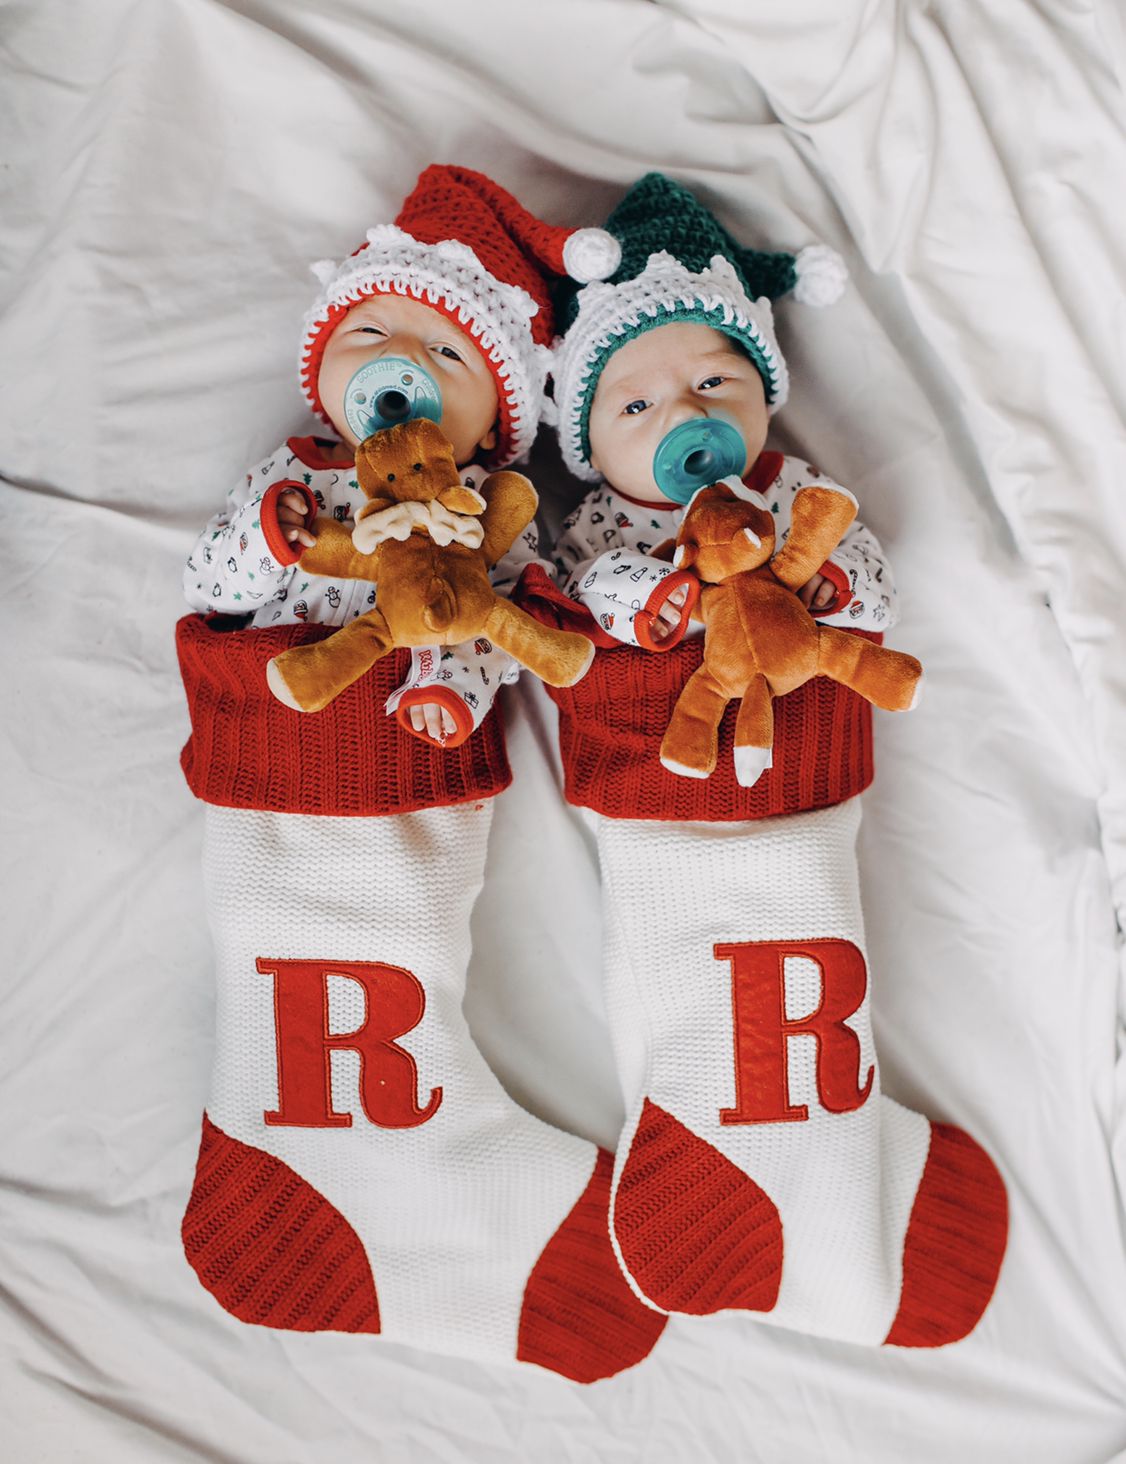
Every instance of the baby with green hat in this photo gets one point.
(760, 1169)
(665, 379)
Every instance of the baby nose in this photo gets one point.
(408, 346)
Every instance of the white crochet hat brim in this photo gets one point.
(450, 277)
(609, 315)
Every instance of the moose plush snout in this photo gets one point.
(723, 536)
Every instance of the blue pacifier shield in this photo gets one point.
(695, 454)
(389, 391)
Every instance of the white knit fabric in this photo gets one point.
(454, 1212)
(495, 314)
(843, 1183)
(664, 287)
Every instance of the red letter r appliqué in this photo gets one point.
(394, 1002)
(762, 1029)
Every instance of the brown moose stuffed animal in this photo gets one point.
(429, 542)
(760, 640)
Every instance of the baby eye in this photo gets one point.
(370, 329)
(633, 408)
(711, 381)
(449, 353)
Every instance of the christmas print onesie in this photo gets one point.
(603, 556)
(242, 565)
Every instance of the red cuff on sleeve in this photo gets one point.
(840, 582)
(643, 620)
(282, 550)
(420, 696)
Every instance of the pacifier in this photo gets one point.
(697, 453)
(388, 391)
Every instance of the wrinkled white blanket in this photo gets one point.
(169, 167)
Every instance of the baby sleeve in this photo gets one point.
(866, 597)
(242, 560)
(623, 588)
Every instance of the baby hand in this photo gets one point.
(292, 512)
(433, 721)
(817, 593)
(669, 615)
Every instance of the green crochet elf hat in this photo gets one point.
(678, 263)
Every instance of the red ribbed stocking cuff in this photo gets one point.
(247, 750)
(611, 725)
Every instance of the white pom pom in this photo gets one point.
(591, 254)
(821, 275)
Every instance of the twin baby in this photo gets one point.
(466, 285)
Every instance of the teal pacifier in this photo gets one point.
(695, 454)
(388, 391)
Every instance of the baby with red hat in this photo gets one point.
(360, 1167)
(459, 286)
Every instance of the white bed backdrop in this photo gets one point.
(167, 170)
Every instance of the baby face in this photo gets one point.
(394, 325)
(669, 375)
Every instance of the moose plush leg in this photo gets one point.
(754, 732)
(888, 679)
(558, 657)
(761, 1169)
(308, 677)
(690, 743)
(361, 1169)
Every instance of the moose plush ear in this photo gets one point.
(462, 499)
(686, 553)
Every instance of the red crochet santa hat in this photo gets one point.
(464, 246)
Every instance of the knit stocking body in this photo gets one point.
(761, 1169)
(361, 1169)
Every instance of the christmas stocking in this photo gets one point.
(361, 1169)
(761, 1169)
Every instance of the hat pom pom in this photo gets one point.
(821, 275)
(591, 254)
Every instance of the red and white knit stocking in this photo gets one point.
(361, 1169)
(761, 1169)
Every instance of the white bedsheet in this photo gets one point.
(168, 169)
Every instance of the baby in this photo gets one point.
(761, 1170)
(683, 337)
(459, 287)
(347, 1183)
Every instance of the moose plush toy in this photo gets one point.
(429, 542)
(760, 640)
